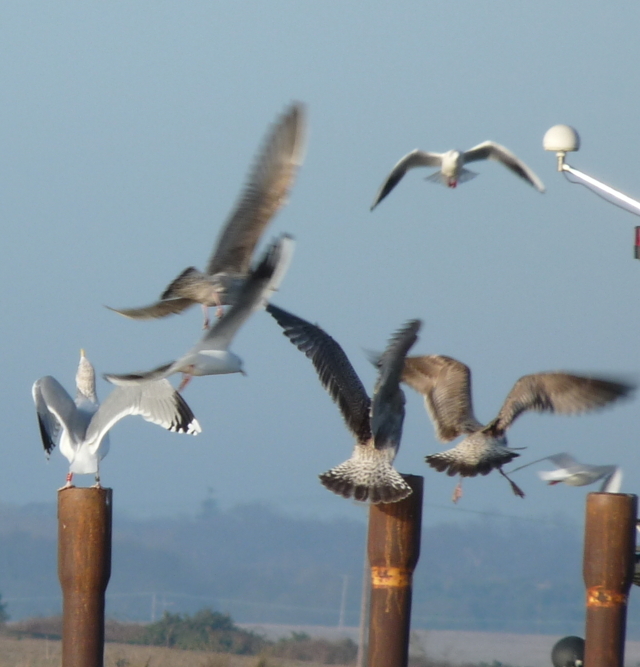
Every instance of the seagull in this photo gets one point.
(81, 427)
(211, 355)
(573, 473)
(445, 384)
(451, 167)
(376, 423)
(264, 194)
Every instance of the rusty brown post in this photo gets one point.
(84, 567)
(394, 548)
(609, 550)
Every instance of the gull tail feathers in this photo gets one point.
(463, 176)
(367, 475)
(453, 463)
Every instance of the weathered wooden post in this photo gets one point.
(84, 568)
(609, 551)
(394, 549)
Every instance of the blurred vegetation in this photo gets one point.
(205, 630)
(301, 646)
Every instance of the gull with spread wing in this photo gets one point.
(211, 354)
(376, 423)
(82, 426)
(451, 170)
(574, 473)
(264, 194)
(445, 384)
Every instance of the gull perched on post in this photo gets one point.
(445, 384)
(376, 423)
(82, 426)
(264, 194)
(451, 170)
(211, 354)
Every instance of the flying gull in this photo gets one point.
(574, 473)
(376, 423)
(451, 169)
(265, 192)
(82, 426)
(211, 355)
(445, 384)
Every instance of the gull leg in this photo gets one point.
(97, 484)
(186, 378)
(68, 483)
(219, 308)
(457, 492)
(514, 487)
(205, 310)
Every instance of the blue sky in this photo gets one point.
(126, 133)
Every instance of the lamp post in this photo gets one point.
(563, 139)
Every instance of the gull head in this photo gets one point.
(86, 379)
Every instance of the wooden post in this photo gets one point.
(394, 549)
(609, 560)
(84, 568)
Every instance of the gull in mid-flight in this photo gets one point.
(265, 192)
(82, 426)
(445, 384)
(451, 170)
(376, 423)
(211, 355)
(573, 473)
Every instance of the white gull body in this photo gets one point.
(211, 354)
(451, 169)
(572, 472)
(82, 426)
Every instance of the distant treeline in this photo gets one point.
(263, 566)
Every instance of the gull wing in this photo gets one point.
(55, 410)
(445, 384)
(252, 295)
(489, 150)
(557, 392)
(563, 460)
(612, 482)
(155, 310)
(387, 405)
(262, 282)
(264, 194)
(158, 373)
(415, 158)
(333, 367)
(157, 402)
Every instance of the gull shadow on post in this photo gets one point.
(393, 549)
(84, 568)
(609, 561)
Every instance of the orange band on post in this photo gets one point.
(390, 577)
(598, 596)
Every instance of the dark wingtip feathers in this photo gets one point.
(185, 421)
(47, 442)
